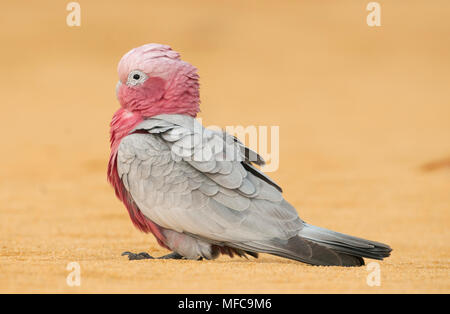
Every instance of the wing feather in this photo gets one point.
(201, 182)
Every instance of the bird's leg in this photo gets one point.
(144, 255)
(173, 255)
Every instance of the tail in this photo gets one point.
(319, 246)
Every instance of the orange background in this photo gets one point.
(364, 116)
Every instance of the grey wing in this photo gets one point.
(201, 182)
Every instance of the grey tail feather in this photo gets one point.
(318, 246)
(345, 245)
(302, 250)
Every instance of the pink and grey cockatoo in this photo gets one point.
(198, 190)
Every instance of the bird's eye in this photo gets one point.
(136, 77)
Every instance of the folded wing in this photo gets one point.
(202, 182)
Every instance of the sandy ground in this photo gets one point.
(364, 116)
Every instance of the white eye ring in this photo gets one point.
(136, 77)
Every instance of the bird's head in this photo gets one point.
(154, 80)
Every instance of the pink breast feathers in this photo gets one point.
(122, 123)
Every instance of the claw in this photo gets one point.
(138, 256)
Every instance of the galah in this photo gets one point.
(197, 190)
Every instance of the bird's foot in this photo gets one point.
(137, 256)
(144, 255)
